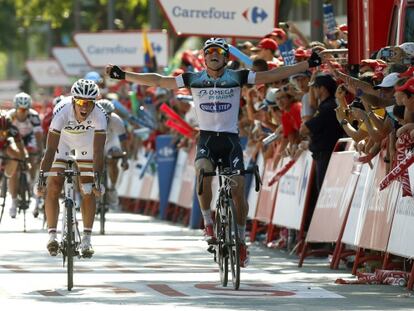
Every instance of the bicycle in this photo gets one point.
(103, 202)
(23, 191)
(24, 194)
(70, 237)
(225, 224)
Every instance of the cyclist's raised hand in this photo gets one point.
(115, 72)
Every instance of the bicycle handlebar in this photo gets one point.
(254, 170)
(66, 173)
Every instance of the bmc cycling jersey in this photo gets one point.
(74, 134)
(217, 102)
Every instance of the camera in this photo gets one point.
(283, 25)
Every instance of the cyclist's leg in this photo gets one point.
(205, 161)
(88, 206)
(54, 187)
(11, 171)
(113, 172)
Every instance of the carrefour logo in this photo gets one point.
(215, 107)
(166, 152)
(255, 15)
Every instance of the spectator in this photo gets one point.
(323, 128)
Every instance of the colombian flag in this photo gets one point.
(150, 62)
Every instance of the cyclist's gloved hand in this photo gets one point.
(115, 72)
(314, 60)
(40, 186)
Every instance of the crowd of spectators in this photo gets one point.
(310, 110)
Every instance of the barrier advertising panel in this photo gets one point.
(217, 18)
(380, 212)
(267, 195)
(185, 198)
(334, 198)
(178, 173)
(253, 196)
(292, 192)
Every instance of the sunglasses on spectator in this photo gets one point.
(81, 102)
(215, 49)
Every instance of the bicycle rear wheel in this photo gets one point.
(70, 241)
(221, 250)
(233, 245)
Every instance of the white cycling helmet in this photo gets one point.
(86, 89)
(408, 48)
(22, 100)
(219, 42)
(107, 105)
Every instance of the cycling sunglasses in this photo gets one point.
(215, 49)
(81, 102)
(22, 109)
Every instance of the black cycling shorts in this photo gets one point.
(221, 145)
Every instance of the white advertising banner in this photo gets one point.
(47, 73)
(358, 209)
(292, 192)
(121, 48)
(71, 60)
(231, 18)
(9, 88)
(178, 173)
(402, 230)
(253, 196)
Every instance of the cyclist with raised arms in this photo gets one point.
(78, 124)
(115, 147)
(216, 94)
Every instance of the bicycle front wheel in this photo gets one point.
(3, 194)
(221, 249)
(233, 245)
(70, 241)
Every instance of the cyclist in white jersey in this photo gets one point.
(27, 121)
(78, 124)
(115, 146)
(216, 93)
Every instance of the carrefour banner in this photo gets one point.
(230, 18)
(166, 157)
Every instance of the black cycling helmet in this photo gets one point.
(219, 42)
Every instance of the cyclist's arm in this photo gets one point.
(98, 151)
(280, 73)
(39, 141)
(51, 146)
(151, 79)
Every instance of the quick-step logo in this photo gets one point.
(215, 107)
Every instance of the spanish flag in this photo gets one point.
(150, 61)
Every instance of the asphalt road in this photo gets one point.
(154, 265)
